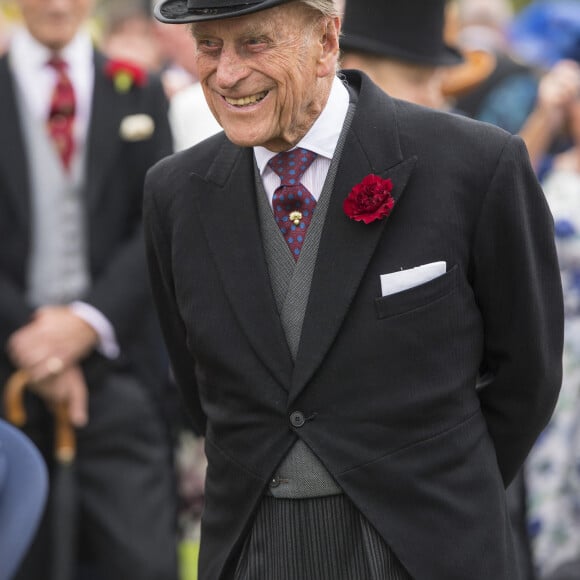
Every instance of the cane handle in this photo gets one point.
(14, 398)
(64, 434)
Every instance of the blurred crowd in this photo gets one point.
(518, 70)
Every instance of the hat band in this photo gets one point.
(217, 7)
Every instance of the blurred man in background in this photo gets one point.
(402, 48)
(78, 134)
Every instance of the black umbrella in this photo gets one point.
(62, 509)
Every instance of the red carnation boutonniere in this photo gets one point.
(125, 74)
(370, 200)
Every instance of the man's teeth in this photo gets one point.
(246, 100)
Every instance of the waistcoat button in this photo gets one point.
(297, 419)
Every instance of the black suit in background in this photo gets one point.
(124, 466)
(387, 385)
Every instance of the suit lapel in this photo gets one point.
(105, 120)
(371, 148)
(226, 195)
(13, 155)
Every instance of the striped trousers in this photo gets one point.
(322, 538)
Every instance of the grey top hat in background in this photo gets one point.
(407, 30)
(182, 11)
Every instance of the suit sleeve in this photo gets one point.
(161, 274)
(121, 291)
(517, 285)
(14, 311)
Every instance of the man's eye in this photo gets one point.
(256, 42)
(207, 45)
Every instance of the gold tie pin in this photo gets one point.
(295, 217)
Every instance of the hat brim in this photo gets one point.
(177, 12)
(447, 56)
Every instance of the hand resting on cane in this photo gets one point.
(49, 348)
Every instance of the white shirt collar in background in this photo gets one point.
(36, 79)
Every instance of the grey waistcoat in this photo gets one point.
(300, 474)
(57, 265)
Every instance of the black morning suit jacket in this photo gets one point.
(113, 188)
(387, 385)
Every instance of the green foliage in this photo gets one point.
(519, 4)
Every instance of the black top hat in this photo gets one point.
(181, 11)
(409, 30)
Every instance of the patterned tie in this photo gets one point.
(293, 204)
(62, 113)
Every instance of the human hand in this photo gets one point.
(68, 387)
(557, 90)
(55, 339)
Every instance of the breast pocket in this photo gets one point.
(418, 296)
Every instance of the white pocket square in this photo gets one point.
(136, 127)
(405, 279)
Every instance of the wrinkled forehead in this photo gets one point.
(231, 27)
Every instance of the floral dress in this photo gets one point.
(553, 467)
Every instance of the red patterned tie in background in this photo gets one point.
(62, 113)
(293, 204)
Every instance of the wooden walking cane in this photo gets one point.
(64, 434)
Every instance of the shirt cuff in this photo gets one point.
(108, 345)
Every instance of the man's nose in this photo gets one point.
(231, 69)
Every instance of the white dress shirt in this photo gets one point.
(321, 139)
(36, 80)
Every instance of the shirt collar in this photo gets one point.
(323, 136)
(27, 52)
(79, 52)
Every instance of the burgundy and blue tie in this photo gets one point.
(293, 204)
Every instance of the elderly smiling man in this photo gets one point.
(362, 304)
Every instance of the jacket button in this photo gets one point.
(297, 419)
(275, 482)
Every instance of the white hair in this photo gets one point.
(325, 7)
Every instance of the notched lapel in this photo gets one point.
(105, 120)
(399, 175)
(345, 252)
(226, 195)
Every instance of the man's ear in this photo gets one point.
(329, 46)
